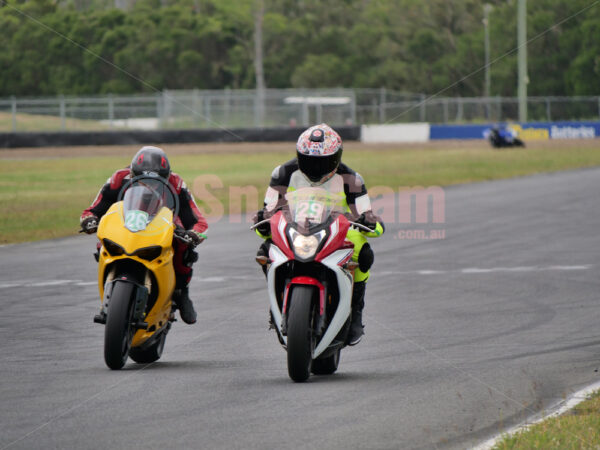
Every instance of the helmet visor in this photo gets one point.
(316, 167)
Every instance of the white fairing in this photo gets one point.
(342, 313)
(344, 280)
(277, 259)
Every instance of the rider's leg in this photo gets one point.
(363, 254)
(183, 259)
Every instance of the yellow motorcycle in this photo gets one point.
(136, 277)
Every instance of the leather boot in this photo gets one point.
(182, 299)
(358, 303)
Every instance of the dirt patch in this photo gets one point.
(269, 147)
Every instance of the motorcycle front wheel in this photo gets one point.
(119, 330)
(300, 340)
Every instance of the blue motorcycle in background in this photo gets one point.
(503, 136)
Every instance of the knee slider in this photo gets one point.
(365, 258)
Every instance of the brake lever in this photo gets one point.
(358, 225)
(180, 234)
(185, 239)
(256, 225)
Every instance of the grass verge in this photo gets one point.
(43, 191)
(577, 429)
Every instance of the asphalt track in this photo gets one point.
(465, 336)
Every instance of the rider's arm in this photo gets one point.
(275, 195)
(358, 200)
(107, 195)
(278, 186)
(189, 213)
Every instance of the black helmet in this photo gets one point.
(319, 151)
(150, 160)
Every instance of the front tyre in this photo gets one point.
(300, 340)
(119, 330)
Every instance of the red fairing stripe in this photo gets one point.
(336, 241)
(310, 281)
(347, 258)
(278, 226)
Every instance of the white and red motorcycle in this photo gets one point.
(310, 276)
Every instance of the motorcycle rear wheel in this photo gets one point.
(300, 340)
(119, 331)
(150, 354)
(328, 365)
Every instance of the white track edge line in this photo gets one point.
(558, 409)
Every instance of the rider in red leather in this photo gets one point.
(153, 160)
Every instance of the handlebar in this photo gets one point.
(355, 224)
(359, 225)
(256, 225)
(179, 233)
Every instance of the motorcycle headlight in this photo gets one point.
(306, 246)
(149, 253)
(113, 248)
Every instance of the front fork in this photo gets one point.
(307, 281)
(140, 300)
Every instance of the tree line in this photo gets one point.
(80, 47)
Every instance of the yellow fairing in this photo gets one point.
(158, 232)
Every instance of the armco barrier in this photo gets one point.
(13, 140)
(525, 131)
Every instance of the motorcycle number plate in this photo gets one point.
(136, 220)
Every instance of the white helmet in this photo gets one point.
(319, 151)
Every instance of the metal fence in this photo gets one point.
(275, 108)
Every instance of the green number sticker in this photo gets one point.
(309, 210)
(136, 220)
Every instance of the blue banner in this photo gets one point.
(525, 131)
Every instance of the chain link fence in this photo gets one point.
(275, 108)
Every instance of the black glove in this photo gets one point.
(89, 225)
(265, 228)
(194, 237)
(368, 219)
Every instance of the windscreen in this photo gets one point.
(312, 206)
(143, 199)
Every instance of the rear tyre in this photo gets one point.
(151, 353)
(300, 341)
(328, 365)
(119, 331)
